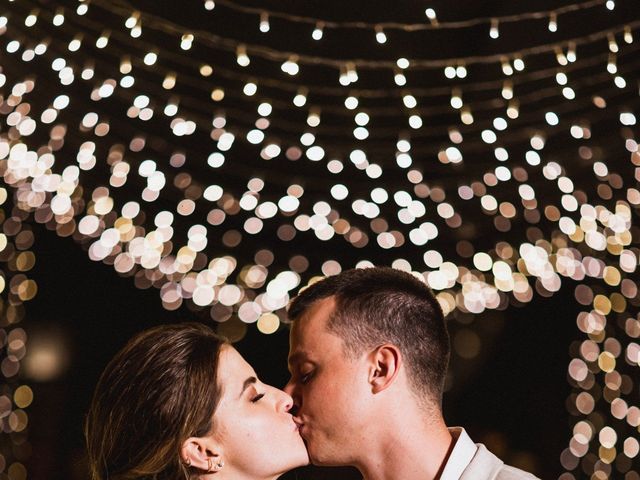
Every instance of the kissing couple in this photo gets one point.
(368, 355)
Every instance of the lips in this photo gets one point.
(299, 424)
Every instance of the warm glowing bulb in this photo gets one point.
(351, 103)
(132, 21)
(291, 65)
(301, 98)
(318, 32)
(403, 63)
(381, 37)
(264, 23)
(186, 41)
(553, 22)
(59, 18)
(561, 78)
(456, 99)
(31, 20)
(560, 57)
(103, 41)
(493, 31)
(507, 91)
(611, 64)
(518, 64)
(250, 89)
(628, 36)
(242, 57)
(431, 15)
(150, 58)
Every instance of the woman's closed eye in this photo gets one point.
(257, 397)
(305, 377)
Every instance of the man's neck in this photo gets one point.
(408, 452)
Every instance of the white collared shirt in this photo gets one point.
(461, 455)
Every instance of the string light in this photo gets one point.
(507, 90)
(351, 102)
(518, 63)
(612, 68)
(571, 53)
(301, 97)
(31, 20)
(553, 22)
(58, 19)
(186, 42)
(82, 9)
(429, 12)
(507, 69)
(380, 35)
(318, 31)
(15, 290)
(241, 56)
(291, 66)
(456, 99)
(431, 15)
(399, 78)
(133, 20)
(264, 23)
(628, 36)
(103, 41)
(403, 63)
(494, 32)
(560, 57)
(475, 281)
(613, 46)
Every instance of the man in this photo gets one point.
(369, 350)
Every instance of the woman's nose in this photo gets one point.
(285, 402)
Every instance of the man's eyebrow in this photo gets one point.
(248, 382)
(295, 359)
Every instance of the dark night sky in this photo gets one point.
(512, 397)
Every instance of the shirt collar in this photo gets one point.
(461, 455)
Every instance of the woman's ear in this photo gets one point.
(386, 361)
(201, 453)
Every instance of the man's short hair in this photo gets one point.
(381, 304)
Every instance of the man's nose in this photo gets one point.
(288, 388)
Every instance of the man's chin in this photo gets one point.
(318, 459)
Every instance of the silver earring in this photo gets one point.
(214, 467)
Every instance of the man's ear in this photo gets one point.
(386, 361)
(202, 453)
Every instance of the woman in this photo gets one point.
(177, 402)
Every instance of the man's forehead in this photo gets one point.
(313, 321)
(308, 330)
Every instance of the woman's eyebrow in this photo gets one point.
(249, 381)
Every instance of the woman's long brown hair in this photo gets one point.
(159, 390)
